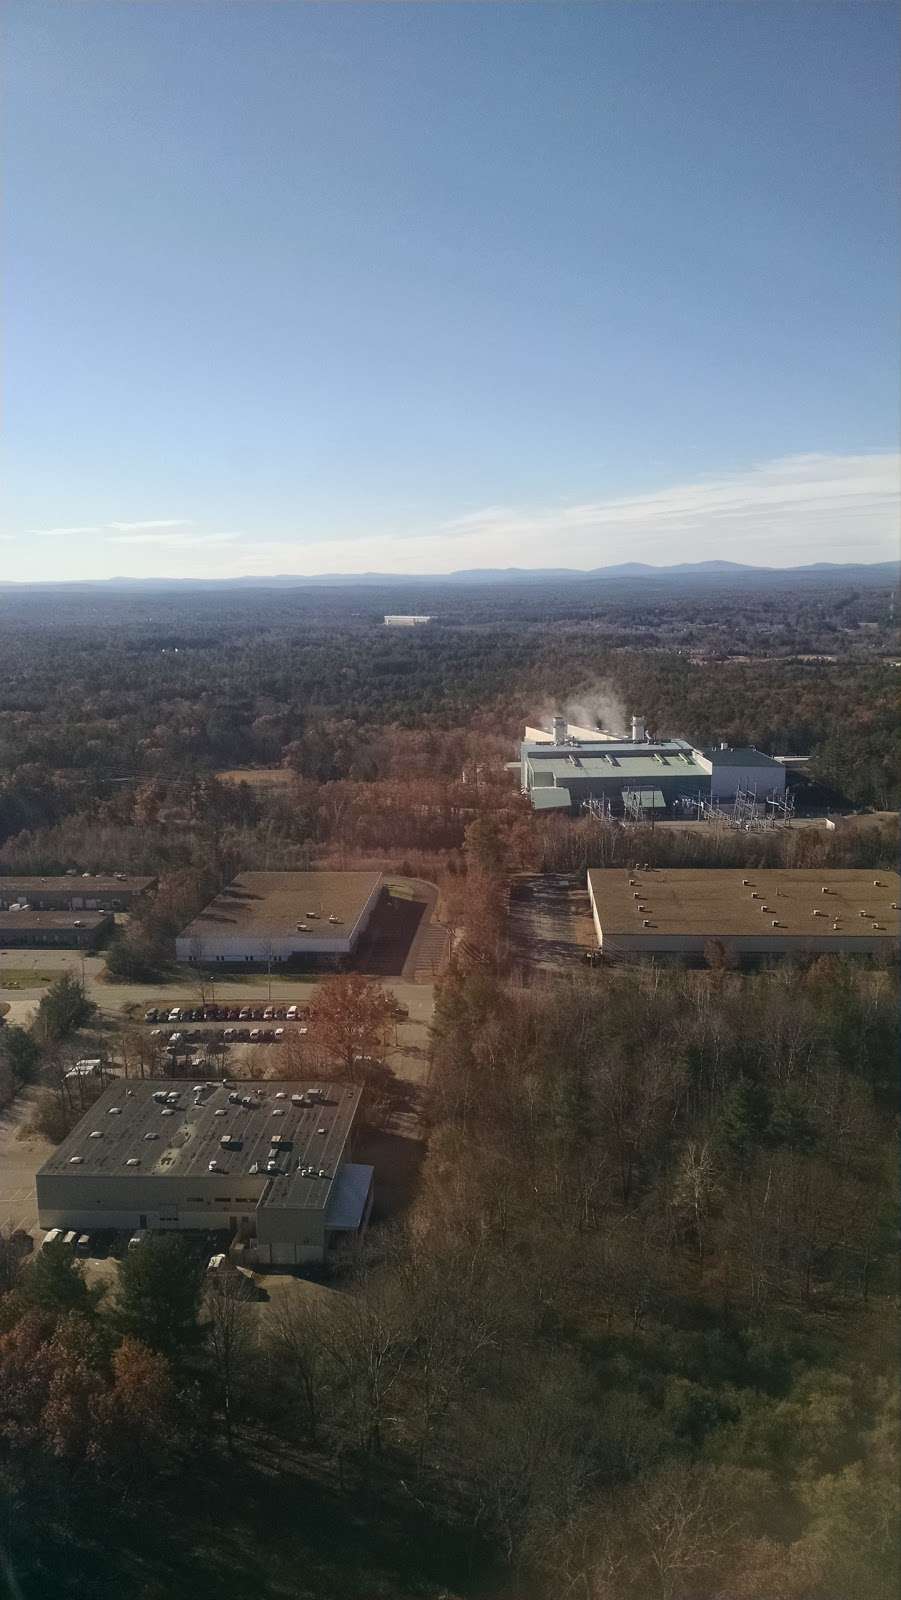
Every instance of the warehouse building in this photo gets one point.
(268, 1163)
(271, 917)
(73, 891)
(655, 778)
(62, 929)
(669, 911)
(731, 770)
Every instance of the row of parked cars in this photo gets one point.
(182, 1040)
(73, 1240)
(254, 1013)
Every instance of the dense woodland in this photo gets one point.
(117, 712)
(634, 1338)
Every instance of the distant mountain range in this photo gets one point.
(886, 571)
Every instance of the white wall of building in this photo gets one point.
(725, 781)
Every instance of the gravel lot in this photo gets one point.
(551, 926)
(19, 1161)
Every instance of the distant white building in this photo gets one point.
(405, 622)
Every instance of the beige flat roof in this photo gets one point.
(272, 903)
(713, 901)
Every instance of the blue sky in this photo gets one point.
(347, 287)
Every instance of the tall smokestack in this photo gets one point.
(559, 729)
(637, 730)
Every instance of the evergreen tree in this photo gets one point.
(160, 1287)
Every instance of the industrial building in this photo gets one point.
(74, 891)
(266, 1162)
(63, 929)
(272, 917)
(670, 911)
(570, 768)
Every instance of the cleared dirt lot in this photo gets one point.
(551, 926)
(19, 1161)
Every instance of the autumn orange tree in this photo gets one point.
(351, 1017)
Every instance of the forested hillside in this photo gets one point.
(115, 712)
(634, 1340)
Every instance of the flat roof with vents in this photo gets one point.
(686, 907)
(285, 912)
(312, 1132)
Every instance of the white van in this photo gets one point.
(137, 1239)
(52, 1237)
(71, 1238)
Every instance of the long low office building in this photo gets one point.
(268, 1163)
(271, 917)
(682, 911)
(73, 891)
(59, 929)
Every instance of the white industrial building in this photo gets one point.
(271, 917)
(731, 770)
(265, 1162)
(565, 768)
(658, 911)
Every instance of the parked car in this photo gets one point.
(138, 1238)
(150, 1016)
(291, 1013)
(257, 1013)
(254, 1035)
(244, 1014)
(83, 1247)
(52, 1237)
(268, 1014)
(279, 1013)
(174, 1014)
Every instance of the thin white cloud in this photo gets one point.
(57, 533)
(786, 512)
(155, 522)
(795, 499)
(174, 541)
